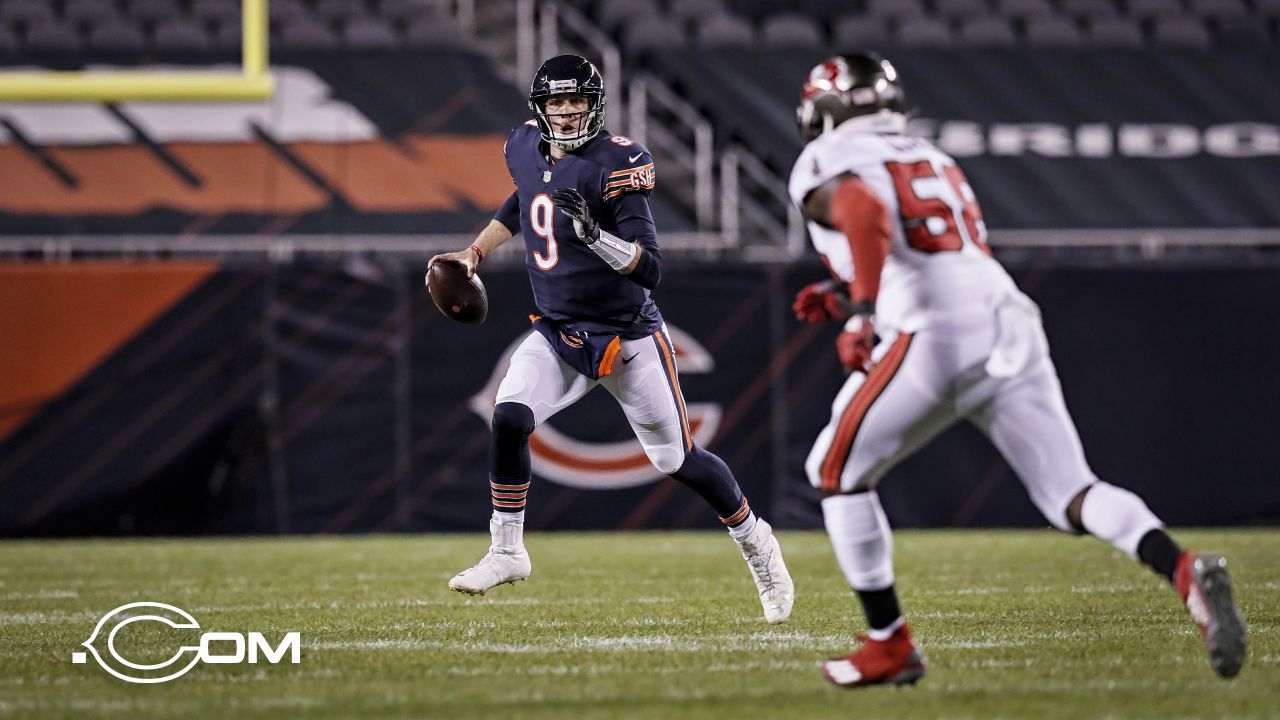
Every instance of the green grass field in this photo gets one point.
(644, 625)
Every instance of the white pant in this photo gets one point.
(644, 381)
(991, 369)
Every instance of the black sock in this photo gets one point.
(881, 607)
(708, 476)
(510, 469)
(1160, 552)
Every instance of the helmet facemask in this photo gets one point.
(588, 127)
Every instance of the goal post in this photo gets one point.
(253, 82)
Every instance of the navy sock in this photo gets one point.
(708, 476)
(510, 469)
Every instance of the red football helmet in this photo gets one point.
(847, 86)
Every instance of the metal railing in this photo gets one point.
(754, 200)
(690, 142)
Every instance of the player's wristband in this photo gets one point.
(615, 251)
(863, 307)
(479, 253)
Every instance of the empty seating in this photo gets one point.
(52, 36)
(370, 33)
(1184, 32)
(895, 8)
(987, 31)
(754, 10)
(612, 15)
(307, 34)
(26, 11)
(179, 34)
(225, 36)
(791, 31)
(119, 36)
(1115, 32)
(8, 41)
(343, 11)
(653, 32)
(1088, 9)
(1219, 8)
(215, 11)
(1153, 8)
(88, 12)
(925, 31)
(694, 9)
(403, 12)
(285, 12)
(1052, 32)
(152, 11)
(1025, 8)
(431, 30)
(961, 9)
(856, 31)
(724, 31)
(1240, 32)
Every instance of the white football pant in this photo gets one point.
(991, 369)
(644, 381)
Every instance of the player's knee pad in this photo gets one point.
(512, 420)
(861, 539)
(1118, 516)
(668, 459)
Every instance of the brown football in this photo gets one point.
(458, 297)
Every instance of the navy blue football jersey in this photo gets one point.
(571, 284)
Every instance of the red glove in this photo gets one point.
(856, 342)
(821, 301)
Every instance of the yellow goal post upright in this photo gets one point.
(253, 82)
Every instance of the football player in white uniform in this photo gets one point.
(936, 331)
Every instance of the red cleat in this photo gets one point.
(1205, 587)
(895, 661)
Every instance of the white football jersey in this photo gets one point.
(939, 265)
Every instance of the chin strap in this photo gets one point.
(615, 251)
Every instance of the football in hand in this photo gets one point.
(458, 297)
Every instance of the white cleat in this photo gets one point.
(506, 562)
(764, 557)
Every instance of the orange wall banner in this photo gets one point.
(57, 322)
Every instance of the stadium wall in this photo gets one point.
(328, 396)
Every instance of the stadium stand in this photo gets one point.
(180, 34)
(988, 31)
(791, 30)
(370, 33)
(1052, 32)
(859, 31)
(52, 36)
(960, 9)
(724, 31)
(925, 31)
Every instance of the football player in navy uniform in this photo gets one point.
(581, 202)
